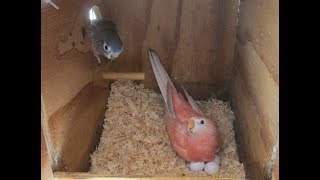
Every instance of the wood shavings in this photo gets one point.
(135, 141)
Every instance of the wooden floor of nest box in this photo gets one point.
(134, 141)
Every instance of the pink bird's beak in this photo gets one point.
(190, 125)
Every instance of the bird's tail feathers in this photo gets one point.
(164, 82)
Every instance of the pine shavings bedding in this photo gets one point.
(135, 142)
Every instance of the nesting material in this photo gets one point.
(135, 142)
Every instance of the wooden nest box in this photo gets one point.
(213, 46)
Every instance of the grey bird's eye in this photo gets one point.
(106, 47)
(202, 122)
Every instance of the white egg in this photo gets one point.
(197, 166)
(216, 159)
(211, 168)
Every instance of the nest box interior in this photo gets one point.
(229, 48)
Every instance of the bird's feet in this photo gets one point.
(98, 61)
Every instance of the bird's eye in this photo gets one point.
(106, 48)
(202, 122)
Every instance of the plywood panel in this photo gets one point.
(256, 105)
(255, 86)
(275, 174)
(262, 88)
(187, 44)
(162, 36)
(66, 62)
(76, 127)
(259, 24)
(46, 171)
(228, 10)
(248, 131)
(196, 51)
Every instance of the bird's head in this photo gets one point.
(202, 124)
(112, 48)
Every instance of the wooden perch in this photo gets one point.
(127, 76)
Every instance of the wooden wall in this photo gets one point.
(46, 171)
(73, 105)
(255, 86)
(195, 40)
(275, 174)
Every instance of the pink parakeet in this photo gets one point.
(194, 136)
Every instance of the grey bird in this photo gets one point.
(104, 36)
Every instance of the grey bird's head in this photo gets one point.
(104, 34)
(112, 46)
